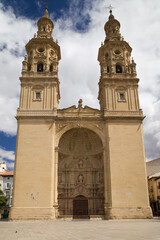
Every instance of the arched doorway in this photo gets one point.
(80, 173)
(80, 207)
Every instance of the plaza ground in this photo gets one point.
(81, 229)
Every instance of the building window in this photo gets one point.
(8, 194)
(40, 67)
(107, 69)
(118, 68)
(38, 95)
(8, 185)
(121, 96)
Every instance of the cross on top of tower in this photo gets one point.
(110, 8)
(46, 4)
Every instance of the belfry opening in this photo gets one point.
(80, 174)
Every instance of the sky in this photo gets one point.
(79, 28)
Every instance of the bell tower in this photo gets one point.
(34, 193)
(126, 184)
(118, 86)
(39, 81)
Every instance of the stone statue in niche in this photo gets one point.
(104, 69)
(80, 163)
(101, 177)
(60, 178)
(88, 146)
(71, 146)
(80, 178)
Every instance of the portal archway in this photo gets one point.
(80, 173)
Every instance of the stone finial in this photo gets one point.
(80, 103)
(46, 14)
(133, 67)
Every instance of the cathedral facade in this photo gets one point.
(79, 162)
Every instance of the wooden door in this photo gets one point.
(80, 207)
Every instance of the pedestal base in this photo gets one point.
(18, 213)
(129, 213)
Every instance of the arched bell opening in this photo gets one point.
(80, 173)
(118, 68)
(40, 67)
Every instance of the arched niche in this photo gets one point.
(40, 67)
(80, 171)
(118, 68)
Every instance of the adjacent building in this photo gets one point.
(6, 182)
(153, 174)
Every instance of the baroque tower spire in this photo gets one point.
(118, 71)
(39, 81)
(45, 26)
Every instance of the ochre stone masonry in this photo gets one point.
(79, 162)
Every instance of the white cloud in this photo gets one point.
(9, 155)
(14, 34)
(79, 70)
(10, 165)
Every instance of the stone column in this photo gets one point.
(107, 175)
(55, 204)
(54, 97)
(105, 184)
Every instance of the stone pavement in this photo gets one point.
(80, 230)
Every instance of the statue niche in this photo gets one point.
(80, 171)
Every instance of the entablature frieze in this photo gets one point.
(35, 75)
(130, 80)
(36, 113)
(39, 80)
(122, 114)
(115, 84)
(76, 117)
(39, 84)
(53, 114)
